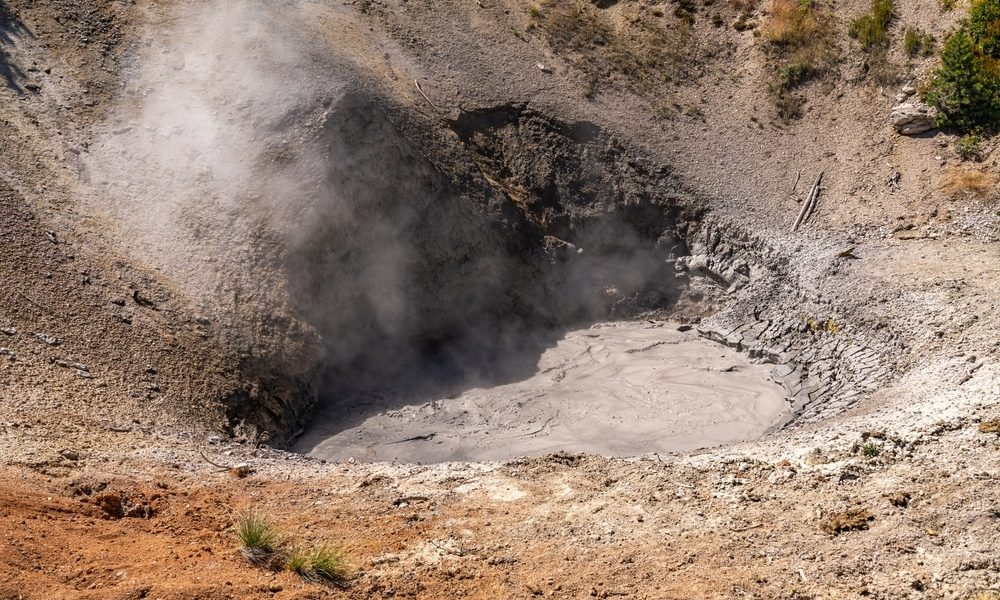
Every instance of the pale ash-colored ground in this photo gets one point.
(615, 389)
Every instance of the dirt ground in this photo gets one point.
(113, 381)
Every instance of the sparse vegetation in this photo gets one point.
(636, 53)
(263, 545)
(984, 27)
(989, 427)
(966, 87)
(968, 182)
(828, 326)
(968, 147)
(259, 541)
(917, 43)
(869, 450)
(328, 563)
(872, 29)
(297, 561)
(793, 24)
(801, 45)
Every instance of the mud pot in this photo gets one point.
(616, 389)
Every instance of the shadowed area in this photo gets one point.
(11, 28)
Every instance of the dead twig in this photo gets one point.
(417, 438)
(459, 552)
(809, 204)
(797, 177)
(421, 90)
(409, 500)
(240, 471)
(542, 428)
(747, 528)
(37, 305)
(815, 197)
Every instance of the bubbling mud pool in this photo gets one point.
(615, 389)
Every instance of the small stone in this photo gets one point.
(69, 454)
(48, 339)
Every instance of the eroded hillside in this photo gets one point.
(217, 216)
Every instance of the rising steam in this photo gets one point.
(251, 165)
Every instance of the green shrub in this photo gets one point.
(968, 147)
(872, 29)
(966, 87)
(984, 26)
(870, 450)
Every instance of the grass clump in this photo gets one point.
(869, 450)
(966, 87)
(917, 43)
(328, 563)
(297, 561)
(872, 29)
(262, 544)
(793, 24)
(259, 540)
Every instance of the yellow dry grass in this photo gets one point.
(969, 182)
(791, 25)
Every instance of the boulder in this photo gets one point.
(912, 118)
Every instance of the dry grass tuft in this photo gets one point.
(898, 499)
(852, 520)
(989, 427)
(792, 24)
(969, 182)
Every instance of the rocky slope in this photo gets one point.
(173, 174)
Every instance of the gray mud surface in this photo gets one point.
(616, 389)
